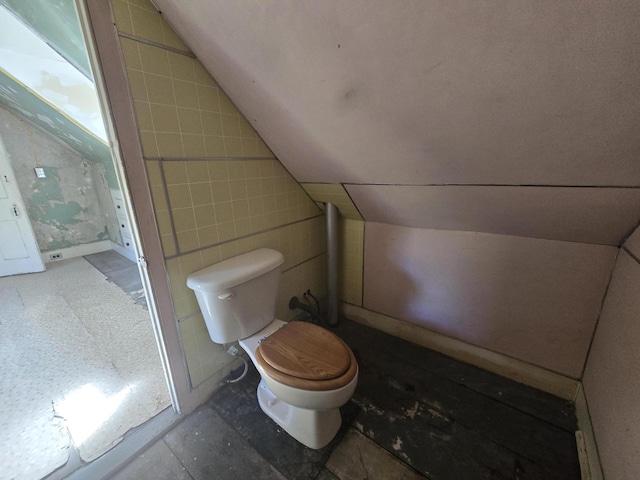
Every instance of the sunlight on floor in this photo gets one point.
(92, 357)
(86, 409)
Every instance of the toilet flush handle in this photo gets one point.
(226, 296)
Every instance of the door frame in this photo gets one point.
(101, 38)
(14, 194)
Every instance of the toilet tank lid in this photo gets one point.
(235, 270)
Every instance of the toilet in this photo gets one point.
(307, 373)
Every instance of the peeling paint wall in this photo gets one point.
(71, 206)
(23, 102)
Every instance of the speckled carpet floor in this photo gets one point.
(79, 367)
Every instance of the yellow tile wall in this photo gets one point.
(336, 194)
(213, 201)
(294, 283)
(180, 109)
(141, 18)
(351, 238)
(298, 242)
(161, 207)
(351, 258)
(217, 189)
(203, 356)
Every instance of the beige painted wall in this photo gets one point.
(350, 260)
(517, 118)
(588, 215)
(350, 238)
(217, 189)
(612, 376)
(633, 243)
(535, 300)
(437, 92)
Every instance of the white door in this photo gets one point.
(19, 251)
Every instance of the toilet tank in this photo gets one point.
(238, 296)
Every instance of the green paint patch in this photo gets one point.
(60, 215)
(104, 235)
(25, 104)
(47, 189)
(47, 206)
(58, 244)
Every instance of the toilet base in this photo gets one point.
(313, 428)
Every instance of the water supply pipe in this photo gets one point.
(294, 303)
(331, 213)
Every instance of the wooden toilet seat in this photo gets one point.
(305, 356)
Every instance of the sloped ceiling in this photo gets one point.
(23, 102)
(56, 22)
(408, 104)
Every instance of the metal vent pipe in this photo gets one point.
(331, 213)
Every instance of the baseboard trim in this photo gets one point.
(76, 251)
(589, 457)
(509, 367)
(125, 252)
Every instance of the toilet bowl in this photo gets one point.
(307, 373)
(306, 408)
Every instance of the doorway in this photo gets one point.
(81, 361)
(19, 251)
(81, 364)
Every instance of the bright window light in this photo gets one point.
(86, 409)
(27, 58)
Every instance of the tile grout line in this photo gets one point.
(206, 159)
(170, 211)
(260, 232)
(525, 185)
(136, 38)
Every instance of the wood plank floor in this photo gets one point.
(450, 420)
(415, 414)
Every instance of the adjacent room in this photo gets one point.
(482, 158)
(80, 360)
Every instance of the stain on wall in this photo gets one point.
(67, 208)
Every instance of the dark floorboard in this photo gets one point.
(237, 404)
(204, 432)
(121, 271)
(439, 415)
(440, 418)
